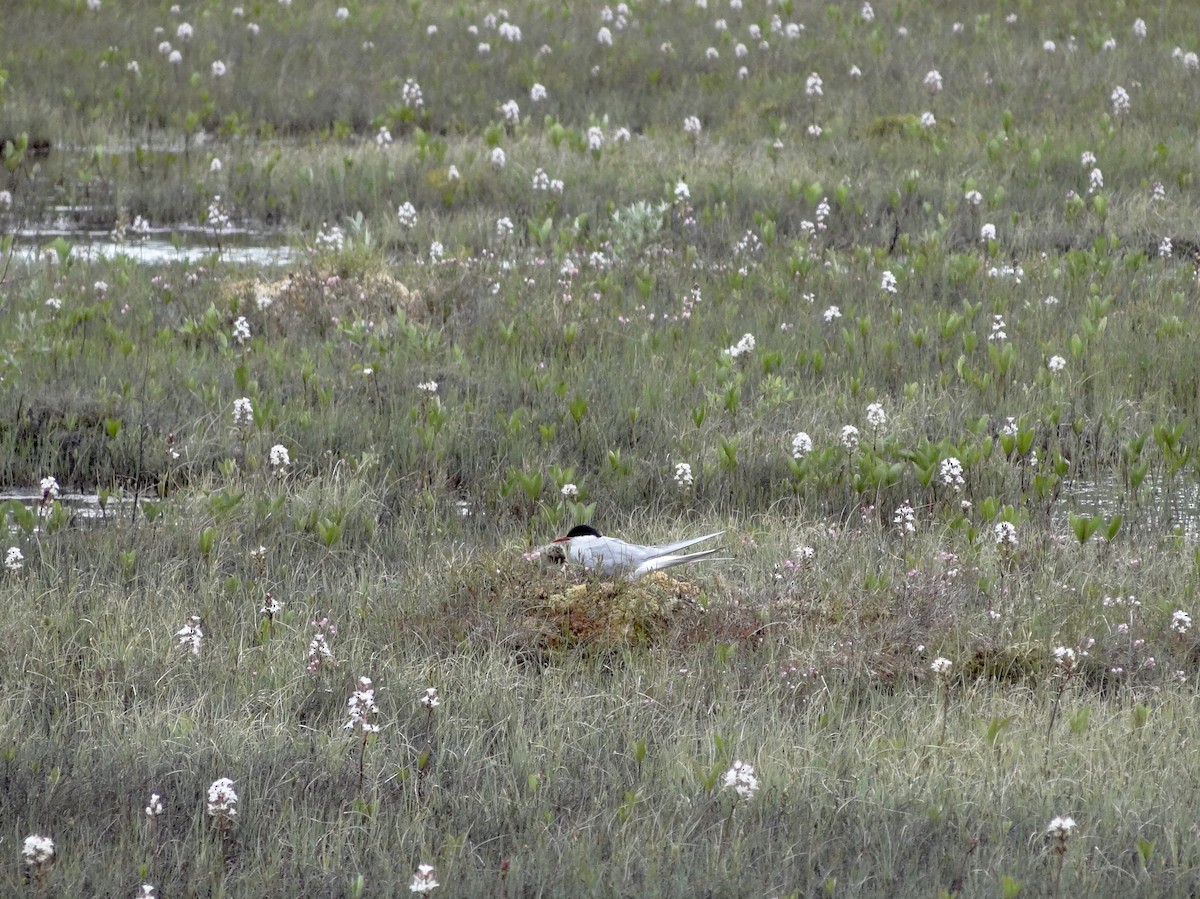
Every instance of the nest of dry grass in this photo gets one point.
(551, 608)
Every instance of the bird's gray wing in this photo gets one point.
(658, 563)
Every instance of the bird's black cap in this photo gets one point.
(582, 530)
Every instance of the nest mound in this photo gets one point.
(550, 608)
(611, 613)
(319, 296)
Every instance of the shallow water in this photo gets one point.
(83, 507)
(1158, 509)
(160, 247)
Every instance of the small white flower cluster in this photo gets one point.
(1064, 657)
(683, 475)
(940, 665)
(1006, 272)
(1056, 363)
(190, 635)
(279, 456)
(801, 445)
(14, 559)
(1190, 60)
(362, 707)
(833, 313)
(50, 489)
(410, 94)
(876, 417)
(511, 112)
(37, 850)
(595, 138)
(217, 219)
(741, 777)
(504, 227)
(424, 881)
(813, 85)
(243, 411)
(241, 330)
(318, 650)
(742, 347)
(383, 137)
(155, 808)
(1120, 100)
(222, 799)
(430, 699)
(407, 214)
(1006, 534)
(570, 491)
(1061, 827)
(428, 386)
(933, 81)
(998, 328)
(849, 438)
(1181, 622)
(905, 518)
(329, 239)
(888, 282)
(950, 473)
(542, 181)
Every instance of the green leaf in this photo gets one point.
(208, 537)
(995, 726)
(1083, 526)
(1140, 716)
(579, 407)
(1078, 721)
(1145, 849)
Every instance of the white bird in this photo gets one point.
(616, 558)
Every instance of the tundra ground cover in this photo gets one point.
(884, 307)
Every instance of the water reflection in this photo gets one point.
(1160, 507)
(84, 507)
(160, 248)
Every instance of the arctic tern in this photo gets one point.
(615, 558)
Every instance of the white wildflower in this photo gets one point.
(741, 777)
